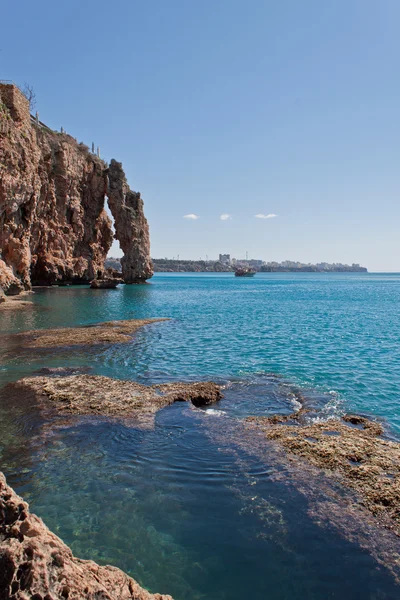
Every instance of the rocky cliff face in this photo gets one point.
(53, 226)
(131, 228)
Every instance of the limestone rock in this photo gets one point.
(108, 332)
(131, 228)
(351, 449)
(105, 284)
(53, 226)
(9, 284)
(36, 564)
(99, 395)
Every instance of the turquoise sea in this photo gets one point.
(188, 508)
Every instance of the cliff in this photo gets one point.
(53, 224)
(131, 227)
(35, 563)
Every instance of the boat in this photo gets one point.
(244, 272)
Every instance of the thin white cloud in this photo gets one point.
(262, 216)
(225, 217)
(191, 217)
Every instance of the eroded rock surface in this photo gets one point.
(53, 225)
(131, 228)
(9, 283)
(108, 332)
(36, 565)
(350, 448)
(98, 395)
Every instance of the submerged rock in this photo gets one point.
(349, 448)
(35, 564)
(13, 302)
(108, 332)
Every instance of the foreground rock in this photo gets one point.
(35, 564)
(109, 332)
(53, 224)
(97, 395)
(350, 449)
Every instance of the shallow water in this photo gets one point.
(185, 511)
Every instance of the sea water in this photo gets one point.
(181, 508)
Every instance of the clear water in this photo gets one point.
(185, 511)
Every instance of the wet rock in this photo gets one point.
(97, 395)
(349, 448)
(14, 302)
(35, 564)
(109, 332)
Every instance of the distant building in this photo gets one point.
(253, 262)
(225, 259)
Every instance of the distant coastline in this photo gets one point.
(166, 265)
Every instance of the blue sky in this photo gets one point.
(231, 107)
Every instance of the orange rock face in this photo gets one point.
(53, 226)
(131, 228)
(35, 563)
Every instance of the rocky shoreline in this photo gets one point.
(53, 190)
(351, 450)
(35, 564)
(94, 395)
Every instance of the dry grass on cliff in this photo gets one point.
(110, 332)
(98, 395)
(350, 449)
